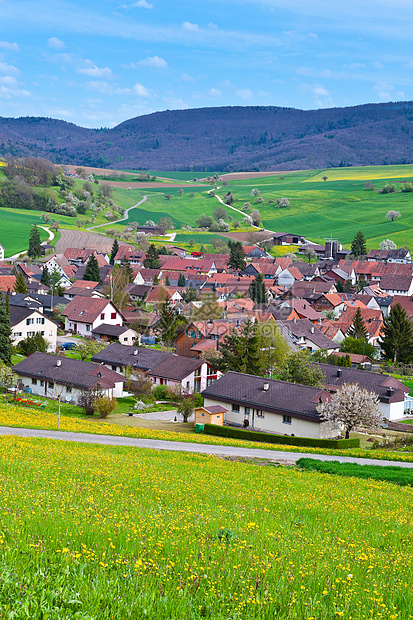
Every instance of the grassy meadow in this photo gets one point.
(15, 229)
(96, 532)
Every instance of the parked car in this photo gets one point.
(67, 346)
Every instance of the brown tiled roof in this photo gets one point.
(7, 283)
(176, 368)
(138, 357)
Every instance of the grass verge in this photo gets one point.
(397, 475)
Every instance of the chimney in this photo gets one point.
(59, 363)
(266, 387)
(135, 352)
(389, 392)
(312, 330)
(294, 320)
(339, 372)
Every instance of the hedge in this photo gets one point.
(397, 475)
(237, 433)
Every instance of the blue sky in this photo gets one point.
(98, 63)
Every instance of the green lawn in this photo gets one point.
(15, 229)
(89, 531)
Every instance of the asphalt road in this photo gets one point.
(180, 446)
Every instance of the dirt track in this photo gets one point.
(82, 239)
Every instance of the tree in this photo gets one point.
(358, 346)
(255, 193)
(186, 406)
(350, 407)
(34, 243)
(20, 285)
(236, 255)
(397, 337)
(387, 244)
(240, 350)
(92, 272)
(45, 278)
(220, 213)
(127, 268)
(273, 347)
(324, 178)
(115, 248)
(257, 290)
(204, 221)
(137, 382)
(8, 378)
(168, 196)
(181, 280)
(297, 368)
(87, 399)
(256, 217)
(358, 328)
(5, 335)
(358, 245)
(152, 258)
(283, 202)
(31, 344)
(169, 323)
(393, 215)
(88, 348)
(310, 253)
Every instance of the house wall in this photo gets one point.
(190, 383)
(85, 329)
(392, 411)
(203, 417)
(285, 279)
(41, 324)
(66, 392)
(273, 422)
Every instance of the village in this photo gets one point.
(165, 319)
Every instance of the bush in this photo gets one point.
(160, 392)
(237, 433)
(104, 405)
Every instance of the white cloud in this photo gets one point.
(142, 4)
(9, 88)
(312, 35)
(190, 27)
(173, 102)
(10, 69)
(56, 43)
(154, 62)
(214, 92)
(356, 65)
(12, 47)
(320, 91)
(245, 93)
(141, 91)
(187, 78)
(94, 71)
(107, 89)
(378, 65)
(212, 26)
(384, 90)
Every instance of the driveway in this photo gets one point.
(181, 446)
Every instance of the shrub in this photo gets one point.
(160, 392)
(104, 405)
(237, 433)
(396, 475)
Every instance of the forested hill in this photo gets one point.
(225, 139)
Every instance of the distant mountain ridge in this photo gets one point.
(224, 139)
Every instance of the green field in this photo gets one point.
(97, 532)
(179, 175)
(339, 206)
(15, 229)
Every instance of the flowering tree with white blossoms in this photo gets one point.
(352, 406)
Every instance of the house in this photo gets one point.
(7, 283)
(53, 376)
(394, 399)
(199, 331)
(192, 375)
(82, 288)
(390, 256)
(27, 322)
(373, 320)
(397, 284)
(305, 335)
(110, 333)
(270, 405)
(84, 314)
(1, 252)
(289, 276)
(210, 415)
(282, 238)
(356, 360)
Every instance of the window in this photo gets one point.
(69, 389)
(51, 385)
(42, 383)
(210, 381)
(114, 368)
(191, 333)
(29, 321)
(40, 320)
(235, 407)
(113, 315)
(31, 334)
(260, 414)
(198, 372)
(42, 333)
(247, 410)
(34, 381)
(125, 339)
(187, 385)
(286, 419)
(88, 328)
(211, 371)
(102, 316)
(17, 334)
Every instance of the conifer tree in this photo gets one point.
(34, 243)
(236, 255)
(152, 258)
(257, 290)
(181, 280)
(167, 282)
(397, 338)
(115, 248)
(5, 335)
(126, 266)
(240, 350)
(92, 273)
(358, 245)
(20, 285)
(45, 278)
(358, 328)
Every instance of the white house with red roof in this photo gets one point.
(85, 314)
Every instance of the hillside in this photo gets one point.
(225, 139)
